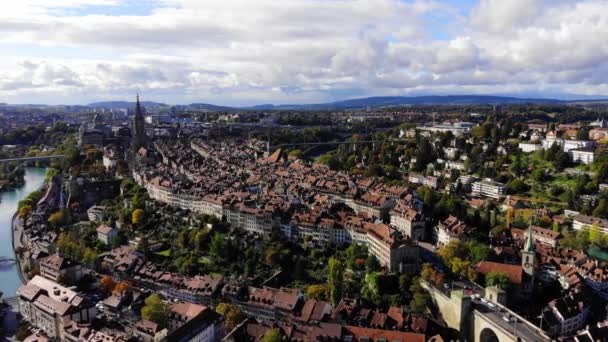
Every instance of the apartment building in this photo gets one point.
(582, 155)
(529, 147)
(539, 234)
(61, 269)
(452, 229)
(408, 221)
(568, 314)
(391, 249)
(488, 188)
(585, 222)
(48, 306)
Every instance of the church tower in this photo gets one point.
(528, 262)
(139, 128)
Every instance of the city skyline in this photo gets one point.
(239, 53)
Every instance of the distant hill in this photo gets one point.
(125, 104)
(388, 101)
(360, 103)
(209, 107)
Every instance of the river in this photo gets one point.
(9, 276)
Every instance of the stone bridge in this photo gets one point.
(479, 322)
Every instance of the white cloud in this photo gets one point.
(242, 51)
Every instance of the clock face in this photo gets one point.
(527, 265)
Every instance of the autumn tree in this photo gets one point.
(154, 310)
(317, 291)
(137, 216)
(232, 315)
(25, 211)
(57, 218)
(107, 283)
(121, 288)
(272, 335)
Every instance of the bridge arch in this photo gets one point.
(488, 335)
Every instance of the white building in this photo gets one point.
(585, 222)
(488, 188)
(454, 165)
(529, 147)
(583, 155)
(106, 234)
(577, 144)
(96, 213)
(550, 140)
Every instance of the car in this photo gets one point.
(446, 286)
(506, 319)
(477, 296)
(491, 305)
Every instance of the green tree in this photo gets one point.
(595, 235)
(272, 335)
(371, 264)
(154, 310)
(602, 209)
(497, 278)
(420, 298)
(556, 227)
(336, 280)
(216, 247)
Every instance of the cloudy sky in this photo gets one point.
(242, 52)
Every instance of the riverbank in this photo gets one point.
(17, 238)
(11, 231)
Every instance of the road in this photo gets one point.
(515, 326)
(524, 330)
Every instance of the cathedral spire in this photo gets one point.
(139, 129)
(529, 245)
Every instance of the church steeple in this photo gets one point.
(139, 129)
(529, 245)
(528, 262)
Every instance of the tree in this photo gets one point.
(90, 256)
(478, 252)
(25, 211)
(420, 299)
(216, 247)
(595, 235)
(602, 209)
(556, 227)
(137, 216)
(336, 280)
(318, 292)
(273, 257)
(460, 266)
(371, 264)
(232, 315)
(497, 278)
(154, 310)
(122, 287)
(57, 218)
(272, 335)
(107, 283)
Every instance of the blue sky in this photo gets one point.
(242, 52)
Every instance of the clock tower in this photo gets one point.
(528, 262)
